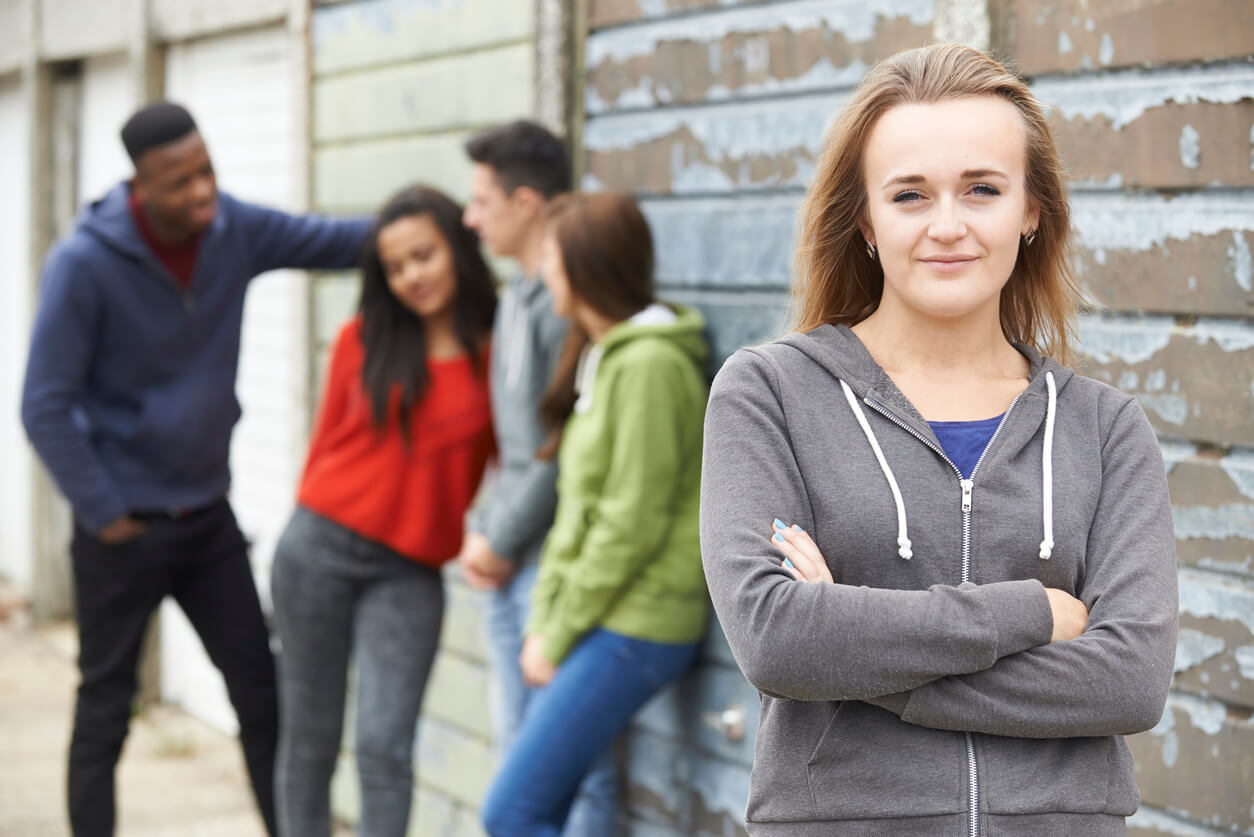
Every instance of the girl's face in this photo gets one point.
(553, 273)
(946, 203)
(418, 264)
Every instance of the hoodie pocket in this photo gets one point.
(869, 764)
(1074, 775)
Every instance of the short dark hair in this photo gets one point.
(523, 153)
(155, 124)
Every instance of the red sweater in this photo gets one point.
(411, 499)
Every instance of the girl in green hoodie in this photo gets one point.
(619, 608)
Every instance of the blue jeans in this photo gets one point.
(340, 597)
(570, 723)
(596, 809)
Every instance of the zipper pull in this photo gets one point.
(967, 485)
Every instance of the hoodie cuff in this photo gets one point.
(557, 643)
(1021, 615)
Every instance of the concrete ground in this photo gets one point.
(178, 777)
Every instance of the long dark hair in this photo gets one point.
(395, 338)
(607, 252)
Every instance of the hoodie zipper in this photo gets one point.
(967, 486)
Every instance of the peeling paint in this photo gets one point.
(962, 22)
(1231, 336)
(1242, 264)
(1124, 95)
(1207, 716)
(1225, 567)
(1106, 50)
(1207, 597)
(854, 19)
(1245, 661)
(1176, 452)
(1147, 819)
(1131, 341)
(1190, 152)
(1064, 43)
(1194, 647)
(1239, 466)
(1232, 520)
(1170, 408)
(1128, 380)
(1144, 222)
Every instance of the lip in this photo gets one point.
(950, 262)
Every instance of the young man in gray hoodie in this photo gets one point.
(518, 169)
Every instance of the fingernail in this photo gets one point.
(798, 528)
(788, 564)
(779, 524)
(778, 537)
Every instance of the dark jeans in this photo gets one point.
(201, 559)
(336, 595)
(570, 723)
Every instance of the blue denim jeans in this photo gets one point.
(570, 723)
(339, 596)
(596, 808)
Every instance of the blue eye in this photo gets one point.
(985, 189)
(906, 196)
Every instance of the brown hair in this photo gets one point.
(835, 280)
(607, 253)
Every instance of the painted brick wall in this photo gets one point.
(712, 113)
(398, 87)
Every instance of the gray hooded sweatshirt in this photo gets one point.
(920, 694)
(527, 339)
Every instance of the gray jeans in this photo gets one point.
(338, 595)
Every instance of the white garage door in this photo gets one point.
(108, 98)
(241, 89)
(16, 547)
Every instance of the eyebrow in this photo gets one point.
(969, 174)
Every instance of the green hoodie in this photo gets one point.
(623, 553)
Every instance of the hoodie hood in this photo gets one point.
(839, 351)
(109, 220)
(679, 325)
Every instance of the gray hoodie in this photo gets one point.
(920, 694)
(527, 339)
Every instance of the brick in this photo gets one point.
(475, 90)
(734, 147)
(1198, 763)
(690, 710)
(463, 629)
(1058, 36)
(1188, 255)
(1159, 363)
(611, 12)
(672, 783)
(1215, 651)
(375, 32)
(457, 694)
(782, 47)
(435, 813)
(1213, 505)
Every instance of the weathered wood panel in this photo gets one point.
(1199, 762)
(71, 29)
(374, 32)
(602, 13)
(750, 51)
(174, 20)
(675, 786)
(1058, 36)
(358, 177)
(1196, 382)
(417, 97)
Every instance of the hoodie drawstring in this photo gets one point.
(903, 539)
(1047, 470)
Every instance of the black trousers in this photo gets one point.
(201, 559)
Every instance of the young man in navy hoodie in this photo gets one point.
(129, 400)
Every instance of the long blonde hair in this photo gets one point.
(836, 282)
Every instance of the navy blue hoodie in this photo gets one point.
(129, 397)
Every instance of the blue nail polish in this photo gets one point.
(788, 564)
(779, 537)
(779, 524)
(798, 528)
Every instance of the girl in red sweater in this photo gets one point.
(402, 438)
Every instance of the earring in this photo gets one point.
(1029, 237)
(870, 250)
